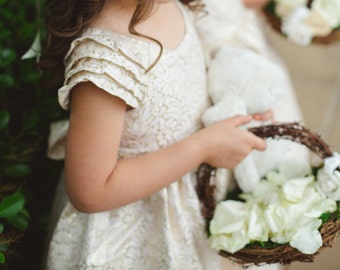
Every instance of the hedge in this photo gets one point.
(27, 108)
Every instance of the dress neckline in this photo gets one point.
(144, 42)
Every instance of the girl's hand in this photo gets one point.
(265, 116)
(226, 145)
(255, 3)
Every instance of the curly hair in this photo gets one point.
(65, 20)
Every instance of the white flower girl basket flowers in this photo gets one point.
(291, 215)
(305, 21)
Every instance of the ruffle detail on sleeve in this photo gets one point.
(98, 57)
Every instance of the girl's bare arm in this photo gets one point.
(96, 181)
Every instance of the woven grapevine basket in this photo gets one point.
(257, 254)
(275, 22)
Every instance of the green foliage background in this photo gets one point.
(27, 107)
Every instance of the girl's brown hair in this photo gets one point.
(65, 20)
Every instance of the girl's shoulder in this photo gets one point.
(103, 44)
(109, 61)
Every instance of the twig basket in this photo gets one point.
(275, 22)
(257, 254)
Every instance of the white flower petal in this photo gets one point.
(307, 239)
(326, 205)
(296, 29)
(329, 9)
(285, 208)
(286, 7)
(273, 219)
(331, 163)
(276, 177)
(229, 216)
(329, 183)
(282, 237)
(265, 192)
(231, 243)
(295, 189)
(257, 228)
(319, 25)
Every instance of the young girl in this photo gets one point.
(135, 85)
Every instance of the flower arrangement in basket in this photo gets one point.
(290, 216)
(305, 21)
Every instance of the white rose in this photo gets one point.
(328, 178)
(329, 10)
(319, 25)
(296, 29)
(329, 184)
(285, 7)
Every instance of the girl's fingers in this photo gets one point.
(240, 120)
(259, 144)
(254, 142)
(265, 116)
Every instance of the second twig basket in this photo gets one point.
(276, 23)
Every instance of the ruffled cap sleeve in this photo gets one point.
(99, 58)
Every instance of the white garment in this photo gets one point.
(165, 231)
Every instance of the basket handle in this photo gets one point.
(293, 131)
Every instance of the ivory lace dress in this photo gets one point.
(166, 230)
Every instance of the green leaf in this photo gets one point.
(6, 80)
(4, 34)
(11, 205)
(3, 247)
(30, 76)
(25, 213)
(7, 56)
(325, 217)
(1, 228)
(270, 7)
(17, 170)
(4, 119)
(30, 119)
(18, 221)
(2, 258)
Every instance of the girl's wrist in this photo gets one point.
(200, 146)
